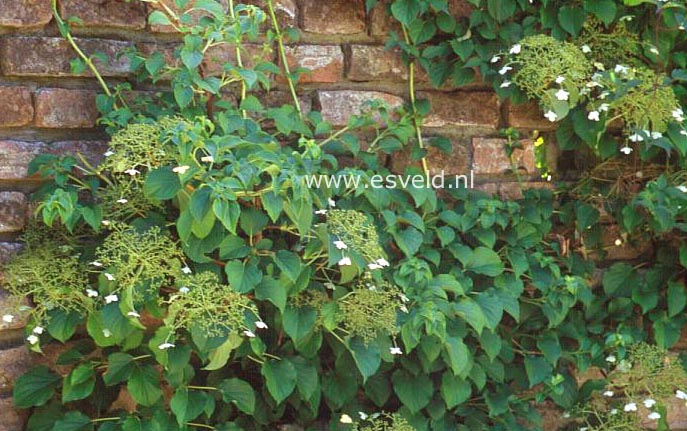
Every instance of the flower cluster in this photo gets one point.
(353, 232)
(378, 422)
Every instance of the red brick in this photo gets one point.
(372, 63)
(13, 211)
(460, 8)
(528, 116)
(381, 21)
(11, 418)
(462, 108)
(62, 108)
(337, 106)
(25, 13)
(13, 363)
(17, 108)
(333, 16)
(325, 62)
(51, 56)
(489, 157)
(251, 54)
(93, 151)
(285, 10)
(106, 13)
(15, 157)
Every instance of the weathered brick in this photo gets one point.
(460, 8)
(25, 13)
(337, 106)
(449, 164)
(16, 108)
(93, 151)
(325, 62)
(333, 16)
(62, 108)
(462, 108)
(251, 54)
(51, 56)
(11, 418)
(15, 157)
(372, 63)
(489, 157)
(276, 99)
(13, 363)
(106, 13)
(13, 210)
(528, 116)
(285, 10)
(195, 15)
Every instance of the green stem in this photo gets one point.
(201, 388)
(413, 105)
(239, 59)
(64, 29)
(105, 419)
(282, 56)
(193, 424)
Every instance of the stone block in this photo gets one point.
(333, 16)
(16, 109)
(65, 109)
(337, 106)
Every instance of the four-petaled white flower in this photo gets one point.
(181, 169)
(374, 266)
(619, 68)
(108, 153)
(184, 289)
(560, 79)
(109, 276)
(133, 314)
(249, 333)
(92, 293)
(395, 350)
(682, 188)
(8, 318)
(604, 107)
(340, 245)
(105, 222)
(165, 346)
(679, 115)
(96, 263)
(495, 59)
(38, 330)
(505, 69)
(626, 150)
(608, 394)
(515, 49)
(32, 339)
(321, 212)
(680, 395)
(260, 324)
(649, 403)
(111, 298)
(611, 359)
(551, 116)
(614, 411)
(331, 202)
(346, 261)
(345, 419)
(207, 159)
(654, 51)
(382, 262)
(618, 242)
(562, 94)
(505, 84)
(586, 49)
(654, 416)
(107, 333)
(656, 135)
(403, 298)
(122, 201)
(630, 407)
(363, 416)
(593, 116)
(132, 172)
(186, 270)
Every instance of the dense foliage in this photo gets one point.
(194, 272)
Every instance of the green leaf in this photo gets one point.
(272, 290)
(458, 355)
(161, 184)
(187, 404)
(677, 298)
(409, 240)
(605, 10)
(219, 356)
(289, 263)
(242, 276)
(538, 369)
(405, 11)
(299, 322)
(158, 18)
(485, 261)
(119, 367)
(144, 385)
(308, 382)
(62, 325)
(616, 277)
(35, 387)
(78, 384)
(415, 392)
(240, 393)
(280, 377)
(73, 421)
(227, 212)
(571, 19)
(501, 10)
(472, 313)
(454, 390)
(367, 358)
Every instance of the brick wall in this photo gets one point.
(44, 108)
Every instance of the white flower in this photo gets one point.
(122, 201)
(108, 153)
(604, 95)
(184, 289)
(340, 245)
(583, 429)
(636, 137)
(403, 298)
(345, 419)
(181, 169)
(566, 415)
(649, 403)
(92, 293)
(133, 314)
(682, 188)
(207, 159)
(8, 318)
(630, 407)
(165, 346)
(38, 330)
(611, 359)
(186, 270)
(593, 116)
(656, 135)
(105, 222)
(382, 262)
(395, 350)
(604, 107)
(109, 276)
(363, 416)
(374, 266)
(132, 172)
(621, 69)
(515, 49)
(560, 79)
(107, 333)
(683, 132)
(32, 339)
(618, 242)
(653, 50)
(680, 395)
(505, 84)
(504, 70)
(403, 308)
(249, 334)
(346, 261)
(331, 202)
(111, 298)
(608, 394)
(654, 416)
(321, 212)
(586, 49)
(614, 411)
(626, 150)
(96, 263)
(551, 116)
(260, 324)
(495, 59)
(679, 115)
